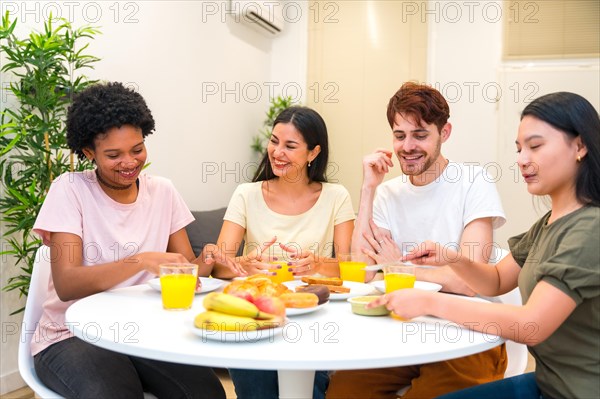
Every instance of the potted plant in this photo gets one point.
(278, 104)
(46, 67)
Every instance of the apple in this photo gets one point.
(243, 294)
(271, 305)
(242, 289)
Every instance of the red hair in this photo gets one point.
(421, 102)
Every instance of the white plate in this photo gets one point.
(235, 336)
(208, 284)
(421, 285)
(299, 311)
(356, 289)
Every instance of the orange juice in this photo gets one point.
(178, 290)
(283, 274)
(353, 271)
(398, 281)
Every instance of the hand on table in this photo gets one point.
(151, 260)
(258, 262)
(383, 249)
(407, 303)
(212, 254)
(302, 263)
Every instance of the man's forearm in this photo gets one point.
(365, 214)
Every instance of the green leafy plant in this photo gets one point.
(46, 73)
(278, 104)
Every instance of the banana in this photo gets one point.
(233, 305)
(210, 320)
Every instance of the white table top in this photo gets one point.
(131, 321)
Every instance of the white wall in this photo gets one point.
(207, 81)
(486, 96)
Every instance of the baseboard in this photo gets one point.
(11, 382)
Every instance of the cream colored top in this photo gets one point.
(311, 230)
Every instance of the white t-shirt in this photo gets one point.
(309, 231)
(438, 211)
(109, 230)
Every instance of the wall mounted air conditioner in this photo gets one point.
(261, 15)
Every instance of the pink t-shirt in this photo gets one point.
(109, 230)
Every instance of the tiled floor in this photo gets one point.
(26, 393)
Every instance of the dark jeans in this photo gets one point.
(519, 387)
(263, 384)
(76, 369)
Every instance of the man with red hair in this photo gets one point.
(435, 199)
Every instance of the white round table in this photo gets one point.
(132, 321)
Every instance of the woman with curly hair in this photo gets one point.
(106, 228)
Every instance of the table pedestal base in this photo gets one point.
(296, 384)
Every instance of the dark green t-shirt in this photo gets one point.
(566, 254)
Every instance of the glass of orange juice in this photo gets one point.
(352, 267)
(178, 285)
(283, 274)
(398, 276)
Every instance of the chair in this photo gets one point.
(33, 312)
(516, 352)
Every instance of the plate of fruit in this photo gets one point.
(205, 284)
(229, 318)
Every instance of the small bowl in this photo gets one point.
(358, 306)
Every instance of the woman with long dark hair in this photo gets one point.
(289, 203)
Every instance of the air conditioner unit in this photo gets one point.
(262, 15)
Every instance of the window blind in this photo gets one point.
(551, 29)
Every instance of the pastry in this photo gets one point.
(299, 300)
(319, 290)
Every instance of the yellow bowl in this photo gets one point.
(358, 306)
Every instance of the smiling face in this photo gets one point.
(547, 157)
(288, 152)
(120, 155)
(418, 148)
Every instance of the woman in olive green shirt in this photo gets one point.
(556, 264)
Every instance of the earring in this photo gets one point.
(309, 164)
(578, 158)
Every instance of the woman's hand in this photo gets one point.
(212, 254)
(407, 303)
(302, 263)
(433, 254)
(150, 261)
(383, 248)
(257, 261)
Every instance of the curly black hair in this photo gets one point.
(101, 107)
